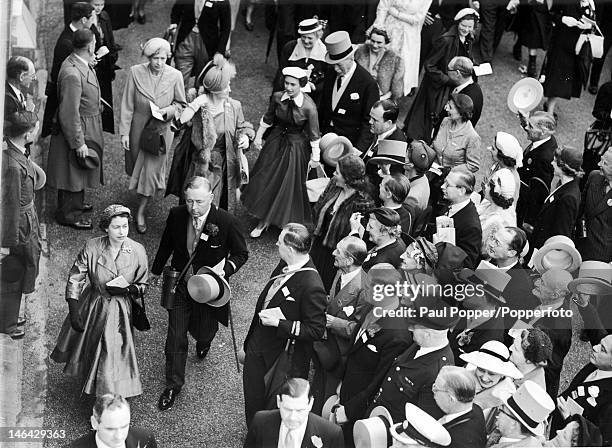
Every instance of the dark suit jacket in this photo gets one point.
(409, 380)
(12, 103)
(388, 254)
(468, 233)
(536, 175)
(601, 413)
(475, 93)
(214, 23)
(462, 341)
(558, 214)
(368, 360)
(372, 151)
(518, 293)
(354, 122)
(305, 303)
(595, 209)
(265, 427)
(136, 438)
(229, 243)
(468, 430)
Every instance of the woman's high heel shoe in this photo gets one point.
(257, 231)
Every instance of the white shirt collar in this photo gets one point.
(422, 351)
(73, 28)
(348, 75)
(81, 59)
(455, 208)
(386, 134)
(298, 100)
(318, 51)
(101, 444)
(299, 264)
(448, 417)
(460, 87)
(299, 435)
(346, 278)
(598, 375)
(534, 145)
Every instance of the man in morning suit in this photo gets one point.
(345, 308)
(591, 388)
(289, 311)
(349, 92)
(461, 72)
(111, 427)
(292, 425)
(377, 341)
(80, 18)
(19, 228)
(457, 188)
(70, 168)
(203, 29)
(217, 240)
(537, 171)
(20, 73)
(454, 393)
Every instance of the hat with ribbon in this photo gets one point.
(491, 279)
(334, 147)
(531, 406)
(390, 151)
(91, 160)
(373, 432)
(386, 216)
(308, 26)
(339, 47)
(594, 279)
(209, 287)
(420, 428)
(558, 252)
(493, 356)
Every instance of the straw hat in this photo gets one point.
(339, 47)
(558, 252)
(420, 428)
(373, 432)
(531, 406)
(333, 147)
(308, 26)
(209, 287)
(594, 279)
(494, 357)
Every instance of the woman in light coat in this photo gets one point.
(152, 83)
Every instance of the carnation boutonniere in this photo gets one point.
(373, 330)
(126, 249)
(212, 229)
(465, 338)
(316, 441)
(593, 391)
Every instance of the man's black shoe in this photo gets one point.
(166, 400)
(202, 350)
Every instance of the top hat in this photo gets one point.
(339, 47)
(11, 269)
(493, 356)
(557, 252)
(209, 287)
(492, 279)
(531, 406)
(40, 177)
(525, 95)
(308, 26)
(373, 432)
(91, 160)
(594, 279)
(390, 151)
(333, 147)
(420, 428)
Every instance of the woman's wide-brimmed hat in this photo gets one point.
(373, 432)
(594, 279)
(209, 287)
(531, 406)
(494, 357)
(558, 252)
(339, 47)
(420, 428)
(333, 147)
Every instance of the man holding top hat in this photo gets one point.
(207, 247)
(75, 153)
(349, 92)
(289, 316)
(19, 243)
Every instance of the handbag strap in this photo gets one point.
(319, 171)
(184, 271)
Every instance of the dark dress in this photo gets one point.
(436, 85)
(534, 24)
(566, 73)
(276, 193)
(105, 68)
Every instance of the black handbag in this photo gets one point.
(152, 139)
(139, 316)
(276, 376)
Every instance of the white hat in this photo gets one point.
(420, 428)
(594, 278)
(330, 405)
(509, 146)
(373, 432)
(557, 252)
(467, 12)
(339, 47)
(504, 182)
(531, 406)
(295, 72)
(209, 287)
(308, 26)
(494, 357)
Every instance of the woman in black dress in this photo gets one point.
(276, 193)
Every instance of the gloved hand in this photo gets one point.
(76, 321)
(118, 291)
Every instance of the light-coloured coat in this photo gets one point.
(79, 117)
(389, 71)
(458, 147)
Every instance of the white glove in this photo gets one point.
(569, 21)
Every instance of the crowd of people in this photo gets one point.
(427, 309)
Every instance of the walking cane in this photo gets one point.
(231, 322)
